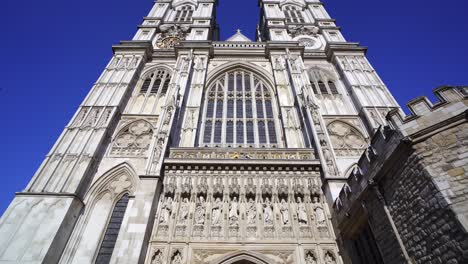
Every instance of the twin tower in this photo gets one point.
(188, 149)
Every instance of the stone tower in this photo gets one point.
(193, 150)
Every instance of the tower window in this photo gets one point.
(332, 87)
(154, 87)
(184, 14)
(293, 14)
(247, 120)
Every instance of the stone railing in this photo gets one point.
(239, 45)
(242, 154)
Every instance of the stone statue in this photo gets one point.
(319, 212)
(329, 259)
(310, 259)
(216, 212)
(251, 212)
(301, 212)
(177, 259)
(184, 211)
(157, 258)
(284, 212)
(166, 211)
(234, 212)
(200, 211)
(268, 212)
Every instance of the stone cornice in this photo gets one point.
(134, 46)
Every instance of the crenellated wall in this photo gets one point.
(408, 187)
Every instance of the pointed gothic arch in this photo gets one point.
(133, 139)
(346, 139)
(242, 257)
(99, 204)
(239, 110)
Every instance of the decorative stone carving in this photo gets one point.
(329, 258)
(234, 212)
(284, 209)
(177, 258)
(171, 36)
(184, 211)
(251, 212)
(216, 212)
(301, 212)
(200, 211)
(133, 140)
(310, 258)
(157, 257)
(346, 140)
(166, 211)
(268, 212)
(319, 213)
(121, 184)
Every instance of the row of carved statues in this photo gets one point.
(251, 208)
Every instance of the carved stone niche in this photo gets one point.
(267, 188)
(250, 189)
(298, 188)
(203, 186)
(314, 188)
(283, 189)
(218, 188)
(186, 188)
(234, 188)
(171, 187)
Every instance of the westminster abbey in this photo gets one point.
(284, 149)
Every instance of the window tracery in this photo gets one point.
(152, 91)
(239, 111)
(133, 140)
(184, 14)
(293, 14)
(346, 140)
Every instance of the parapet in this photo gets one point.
(425, 114)
(426, 118)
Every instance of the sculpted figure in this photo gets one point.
(200, 211)
(301, 212)
(234, 212)
(157, 258)
(329, 259)
(216, 212)
(184, 211)
(166, 211)
(310, 259)
(177, 258)
(268, 212)
(251, 212)
(319, 212)
(284, 211)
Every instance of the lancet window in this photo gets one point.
(293, 14)
(152, 90)
(112, 231)
(184, 14)
(239, 112)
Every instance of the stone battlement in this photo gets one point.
(425, 119)
(425, 114)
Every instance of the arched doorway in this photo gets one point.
(242, 257)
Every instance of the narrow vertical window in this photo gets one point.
(239, 108)
(207, 135)
(145, 86)
(112, 231)
(332, 87)
(219, 109)
(210, 109)
(230, 132)
(322, 87)
(247, 82)
(218, 131)
(231, 82)
(259, 108)
(261, 132)
(239, 82)
(269, 109)
(272, 132)
(240, 132)
(250, 133)
(156, 85)
(248, 109)
(230, 109)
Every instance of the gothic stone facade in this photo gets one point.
(193, 150)
(406, 200)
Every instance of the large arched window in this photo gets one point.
(184, 14)
(153, 89)
(293, 14)
(239, 112)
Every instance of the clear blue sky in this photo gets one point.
(53, 51)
